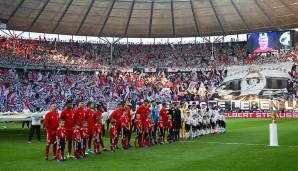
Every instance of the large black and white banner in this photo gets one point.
(248, 88)
(242, 82)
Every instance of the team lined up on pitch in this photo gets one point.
(81, 128)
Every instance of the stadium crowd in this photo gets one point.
(86, 55)
(117, 77)
(28, 89)
(293, 81)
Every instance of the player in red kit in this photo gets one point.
(77, 138)
(98, 114)
(127, 108)
(125, 127)
(91, 118)
(160, 129)
(97, 135)
(51, 124)
(139, 131)
(169, 128)
(61, 138)
(113, 135)
(116, 115)
(163, 113)
(79, 115)
(149, 127)
(85, 138)
(67, 116)
(143, 110)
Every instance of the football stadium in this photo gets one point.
(148, 85)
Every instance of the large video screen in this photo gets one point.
(265, 42)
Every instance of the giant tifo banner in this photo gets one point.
(256, 88)
(255, 80)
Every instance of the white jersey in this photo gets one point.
(216, 114)
(200, 119)
(188, 120)
(209, 113)
(207, 121)
(36, 118)
(204, 121)
(213, 119)
(195, 122)
(105, 117)
(203, 111)
(222, 118)
(193, 112)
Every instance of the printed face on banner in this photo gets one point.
(253, 81)
(256, 80)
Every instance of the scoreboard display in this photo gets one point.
(264, 42)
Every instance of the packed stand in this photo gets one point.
(28, 89)
(86, 55)
(293, 82)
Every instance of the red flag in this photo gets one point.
(28, 51)
(11, 101)
(27, 103)
(69, 82)
(33, 75)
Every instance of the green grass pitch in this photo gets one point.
(243, 147)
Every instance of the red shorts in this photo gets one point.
(90, 130)
(69, 134)
(51, 139)
(118, 129)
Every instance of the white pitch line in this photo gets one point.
(232, 143)
(236, 143)
(213, 142)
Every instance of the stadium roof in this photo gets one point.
(149, 18)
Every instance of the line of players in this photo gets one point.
(80, 127)
(203, 122)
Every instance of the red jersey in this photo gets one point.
(113, 132)
(128, 110)
(125, 122)
(77, 135)
(138, 124)
(150, 124)
(90, 118)
(163, 114)
(143, 111)
(259, 50)
(67, 116)
(85, 132)
(160, 124)
(170, 124)
(116, 114)
(96, 115)
(79, 116)
(61, 133)
(51, 122)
